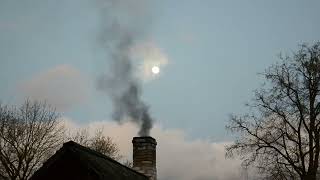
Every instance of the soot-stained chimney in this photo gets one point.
(144, 156)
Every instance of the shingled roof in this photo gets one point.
(74, 161)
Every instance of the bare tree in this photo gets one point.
(28, 136)
(281, 133)
(80, 136)
(98, 142)
(105, 145)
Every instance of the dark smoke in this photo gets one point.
(121, 31)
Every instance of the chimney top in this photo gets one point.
(144, 139)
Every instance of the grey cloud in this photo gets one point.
(177, 157)
(62, 87)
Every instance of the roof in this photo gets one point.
(102, 166)
(3, 177)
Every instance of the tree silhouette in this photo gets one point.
(29, 134)
(98, 142)
(281, 132)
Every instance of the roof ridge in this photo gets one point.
(87, 149)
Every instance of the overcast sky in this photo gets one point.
(212, 52)
(209, 53)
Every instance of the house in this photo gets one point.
(74, 161)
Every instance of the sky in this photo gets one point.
(212, 52)
(209, 53)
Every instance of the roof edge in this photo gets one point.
(74, 144)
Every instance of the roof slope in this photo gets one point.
(102, 166)
(3, 177)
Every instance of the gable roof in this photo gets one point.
(103, 167)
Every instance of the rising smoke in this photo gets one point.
(124, 24)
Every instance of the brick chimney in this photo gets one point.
(144, 156)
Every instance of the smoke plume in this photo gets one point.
(124, 25)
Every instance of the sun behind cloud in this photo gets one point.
(150, 59)
(155, 70)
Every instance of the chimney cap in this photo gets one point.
(144, 139)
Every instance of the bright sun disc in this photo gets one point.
(155, 69)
